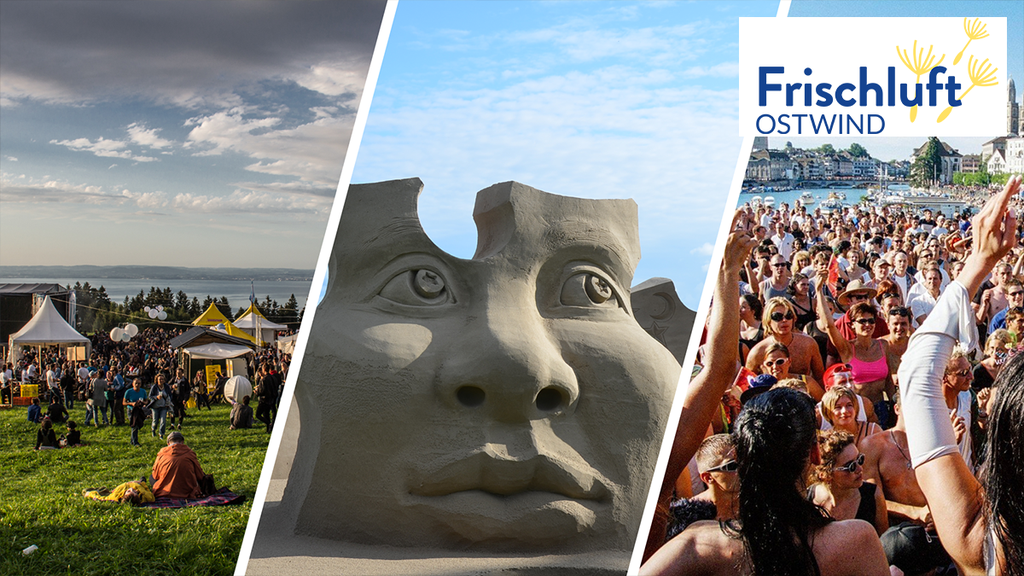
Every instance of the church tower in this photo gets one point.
(1013, 119)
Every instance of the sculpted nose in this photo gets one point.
(508, 366)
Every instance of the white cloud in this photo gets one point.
(12, 159)
(722, 70)
(704, 250)
(139, 134)
(311, 152)
(103, 148)
(241, 201)
(247, 201)
(333, 78)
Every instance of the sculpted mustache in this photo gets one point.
(488, 471)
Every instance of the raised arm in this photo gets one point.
(947, 482)
(704, 393)
(825, 320)
(722, 357)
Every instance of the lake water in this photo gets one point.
(236, 291)
(853, 195)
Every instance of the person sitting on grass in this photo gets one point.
(35, 413)
(73, 437)
(241, 415)
(46, 438)
(176, 471)
(56, 411)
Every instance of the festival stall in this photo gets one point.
(209, 350)
(46, 328)
(252, 320)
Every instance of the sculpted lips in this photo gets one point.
(490, 471)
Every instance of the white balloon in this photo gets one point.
(125, 336)
(152, 313)
(160, 307)
(236, 388)
(162, 315)
(132, 330)
(115, 334)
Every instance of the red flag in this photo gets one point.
(744, 377)
(833, 275)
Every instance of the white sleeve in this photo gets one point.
(929, 431)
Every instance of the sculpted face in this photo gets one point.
(506, 402)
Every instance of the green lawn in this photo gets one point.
(41, 501)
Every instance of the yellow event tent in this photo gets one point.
(214, 317)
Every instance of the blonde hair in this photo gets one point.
(769, 307)
(831, 398)
(711, 450)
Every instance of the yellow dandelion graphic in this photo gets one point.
(980, 76)
(975, 31)
(919, 64)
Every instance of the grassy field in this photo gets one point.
(41, 501)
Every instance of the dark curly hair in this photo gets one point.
(774, 437)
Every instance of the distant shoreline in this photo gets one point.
(157, 273)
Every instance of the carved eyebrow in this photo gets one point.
(569, 233)
(398, 228)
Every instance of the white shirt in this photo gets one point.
(921, 302)
(784, 244)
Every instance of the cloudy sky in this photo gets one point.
(175, 133)
(589, 99)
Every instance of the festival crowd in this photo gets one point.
(128, 383)
(867, 348)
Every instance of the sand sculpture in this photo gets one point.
(659, 311)
(505, 403)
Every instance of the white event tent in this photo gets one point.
(253, 320)
(46, 328)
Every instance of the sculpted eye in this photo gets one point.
(420, 287)
(590, 290)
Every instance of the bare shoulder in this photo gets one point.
(849, 548)
(703, 548)
(874, 443)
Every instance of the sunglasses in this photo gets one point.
(891, 295)
(729, 466)
(852, 465)
(899, 311)
(961, 373)
(780, 265)
(1012, 294)
(779, 316)
(865, 321)
(777, 362)
(858, 297)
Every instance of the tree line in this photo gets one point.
(96, 312)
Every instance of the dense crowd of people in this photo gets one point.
(863, 403)
(128, 384)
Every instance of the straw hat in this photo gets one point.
(855, 287)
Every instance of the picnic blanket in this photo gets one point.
(222, 497)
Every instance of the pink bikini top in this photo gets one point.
(864, 372)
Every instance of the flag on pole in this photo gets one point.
(252, 294)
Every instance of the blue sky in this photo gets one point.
(175, 133)
(901, 148)
(590, 99)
